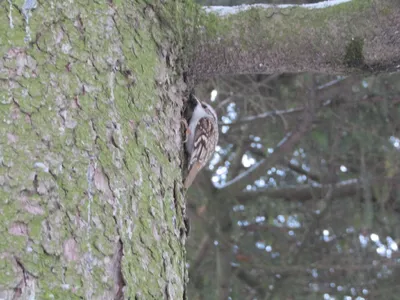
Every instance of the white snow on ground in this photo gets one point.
(227, 10)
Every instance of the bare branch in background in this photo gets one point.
(298, 169)
(257, 170)
(303, 192)
(302, 245)
(265, 115)
(338, 88)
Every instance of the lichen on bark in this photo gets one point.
(91, 201)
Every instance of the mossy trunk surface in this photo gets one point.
(359, 36)
(91, 204)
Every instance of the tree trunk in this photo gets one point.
(91, 97)
(91, 154)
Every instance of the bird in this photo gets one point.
(202, 138)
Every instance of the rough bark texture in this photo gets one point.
(91, 203)
(361, 36)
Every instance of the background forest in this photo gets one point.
(301, 200)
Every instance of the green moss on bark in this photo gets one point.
(92, 153)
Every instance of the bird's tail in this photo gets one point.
(192, 174)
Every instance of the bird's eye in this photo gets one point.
(204, 106)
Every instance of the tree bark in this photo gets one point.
(91, 154)
(360, 36)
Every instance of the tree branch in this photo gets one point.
(338, 88)
(297, 252)
(353, 37)
(305, 192)
(257, 170)
(264, 115)
(345, 188)
(298, 169)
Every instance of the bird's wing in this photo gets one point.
(204, 143)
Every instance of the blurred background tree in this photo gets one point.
(301, 199)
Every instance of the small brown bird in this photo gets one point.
(202, 138)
